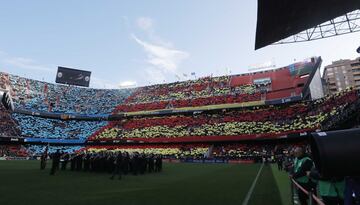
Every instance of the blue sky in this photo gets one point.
(144, 42)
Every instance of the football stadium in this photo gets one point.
(279, 135)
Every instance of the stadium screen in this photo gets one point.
(73, 76)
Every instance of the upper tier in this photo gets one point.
(251, 87)
(37, 95)
(284, 82)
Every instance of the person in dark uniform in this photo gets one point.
(151, 163)
(102, 162)
(158, 163)
(93, 162)
(43, 158)
(72, 162)
(43, 161)
(87, 162)
(64, 161)
(280, 161)
(135, 164)
(109, 162)
(126, 161)
(352, 190)
(117, 161)
(55, 162)
(302, 165)
(142, 163)
(79, 161)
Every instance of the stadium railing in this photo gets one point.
(311, 196)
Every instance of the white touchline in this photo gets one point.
(251, 190)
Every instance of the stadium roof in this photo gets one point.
(279, 19)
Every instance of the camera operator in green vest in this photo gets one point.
(331, 189)
(302, 165)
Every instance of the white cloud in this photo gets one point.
(154, 75)
(101, 83)
(2, 53)
(127, 84)
(161, 57)
(145, 23)
(24, 63)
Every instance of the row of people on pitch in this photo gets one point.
(112, 162)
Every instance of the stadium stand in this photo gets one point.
(41, 96)
(237, 118)
(37, 150)
(244, 123)
(13, 151)
(8, 127)
(37, 127)
(265, 85)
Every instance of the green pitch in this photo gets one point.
(22, 182)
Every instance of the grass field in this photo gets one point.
(21, 182)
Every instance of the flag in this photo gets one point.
(50, 106)
(185, 75)
(57, 101)
(27, 92)
(192, 73)
(45, 88)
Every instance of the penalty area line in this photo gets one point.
(251, 190)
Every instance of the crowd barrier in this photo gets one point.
(311, 196)
(217, 161)
(14, 158)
